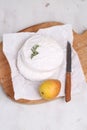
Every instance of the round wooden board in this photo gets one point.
(80, 45)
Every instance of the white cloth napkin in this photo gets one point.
(29, 90)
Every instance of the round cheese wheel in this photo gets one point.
(39, 58)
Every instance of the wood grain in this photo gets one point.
(80, 45)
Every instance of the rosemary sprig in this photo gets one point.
(34, 52)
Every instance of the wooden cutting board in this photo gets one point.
(80, 45)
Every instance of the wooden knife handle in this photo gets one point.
(68, 87)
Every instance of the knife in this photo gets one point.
(68, 74)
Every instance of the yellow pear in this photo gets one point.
(49, 89)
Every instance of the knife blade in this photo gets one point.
(68, 74)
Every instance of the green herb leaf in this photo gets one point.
(34, 52)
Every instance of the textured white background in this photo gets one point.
(56, 115)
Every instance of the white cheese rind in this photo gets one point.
(45, 63)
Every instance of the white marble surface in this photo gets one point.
(16, 15)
